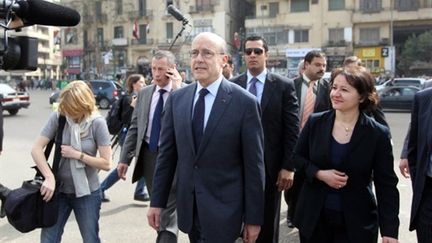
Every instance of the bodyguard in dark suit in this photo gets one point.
(314, 68)
(143, 135)
(212, 136)
(279, 117)
(420, 165)
(342, 151)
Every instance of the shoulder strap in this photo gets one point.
(58, 143)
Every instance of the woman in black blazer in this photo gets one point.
(343, 151)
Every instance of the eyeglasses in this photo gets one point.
(207, 54)
(257, 51)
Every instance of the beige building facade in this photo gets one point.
(374, 30)
(119, 37)
(104, 43)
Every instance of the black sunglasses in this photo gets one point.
(257, 51)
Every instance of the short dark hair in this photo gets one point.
(312, 54)
(363, 81)
(257, 38)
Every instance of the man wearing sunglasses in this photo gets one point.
(279, 117)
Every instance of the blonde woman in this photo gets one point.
(84, 135)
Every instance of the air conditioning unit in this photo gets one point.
(384, 41)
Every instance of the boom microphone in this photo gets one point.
(44, 13)
(176, 14)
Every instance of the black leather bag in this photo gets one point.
(24, 206)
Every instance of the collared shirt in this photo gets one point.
(259, 85)
(304, 88)
(209, 98)
(154, 101)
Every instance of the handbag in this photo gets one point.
(24, 206)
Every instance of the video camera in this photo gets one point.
(21, 52)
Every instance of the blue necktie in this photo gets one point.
(198, 117)
(252, 87)
(156, 124)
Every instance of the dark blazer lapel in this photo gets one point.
(326, 132)
(360, 130)
(242, 81)
(269, 87)
(222, 100)
(186, 109)
(147, 104)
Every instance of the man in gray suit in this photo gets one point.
(213, 138)
(142, 139)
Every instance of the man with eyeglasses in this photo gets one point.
(212, 135)
(280, 121)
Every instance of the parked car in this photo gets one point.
(417, 82)
(13, 100)
(398, 97)
(105, 91)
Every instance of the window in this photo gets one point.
(142, 6)
(336, 35)
(370, 5)
(121, 57)
(169, 31)
(406, 5)
(273, 35)
(98, 6)
(100, 36)
(143, 34)
(73, 62)
(118, 32)
(369, 35)
(85, 39)
(119, 7)
(336, 5)
(301, 36)
(204, 5)
(274, 9)
(299, 5)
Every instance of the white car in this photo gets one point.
(13, 100)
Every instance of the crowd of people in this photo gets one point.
(325, 144)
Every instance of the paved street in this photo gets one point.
(124, 220)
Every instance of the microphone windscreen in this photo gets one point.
(47, 13)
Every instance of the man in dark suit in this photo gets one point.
(420, 165)
(314, 68)
(279, 117)
(142, 137)
(212, 137)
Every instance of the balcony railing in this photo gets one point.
(143, 41)
(138, 14)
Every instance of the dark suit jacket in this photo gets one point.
(279, 120)
(419, 147)
(136, 133)
(225, 177)
(322, 100)
(369, 156)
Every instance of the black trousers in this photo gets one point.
(270, 229)
(331, 228)
(424, 214)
